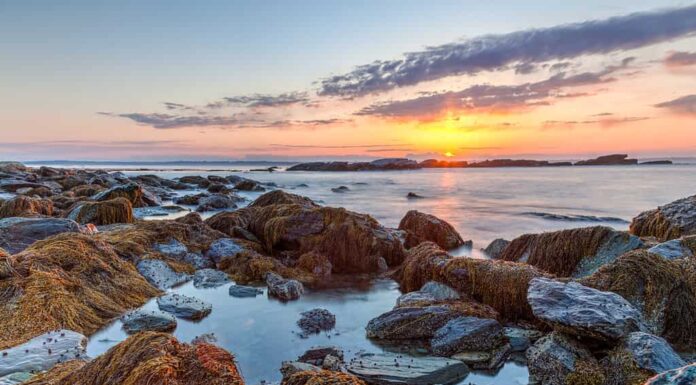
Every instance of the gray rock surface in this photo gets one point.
(616, 244)
(43, 352)
(316, 354)
(315, 321)
(415, 298)
(184, 306)
(439, 291)
(198, 261)
(208, 278)
(410, 322)
(652, 353)
(495, 248)
(388, 369)
(152, 320)
(160, 275)
(583, 311)
(670, 221)
(240, 291)
(172, 249)
(284, 289)
(521, 339)
(553, 357)
(685, 375)
(223, 248)
(16, 234)
(672, 249)
(463, 334)
(288, 368)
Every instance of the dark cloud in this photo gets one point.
(680, 59)
(525, 68)
(605, 123)
(683, 105)
(168, 121)
(261, 100)
(338, 146)
(488, 98)
(493, 52)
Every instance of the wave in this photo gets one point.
(573, 217)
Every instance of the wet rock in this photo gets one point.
(219, 188)
(160, 275)
(43, 352)
(440, 291)
(410, 322)
(340, 189)
(670, 221)
(195, 179)
(495, 249)
(521, 339)
(23, 206)
(467, 334)
(554, 357)
(16, 234)
(388, 369)
(117, 210)
(415, 298)
(223, 248)
(412, 195)
(332, 363)
(208, 278)
(317, 354)
(157, 211)
(190, 200)
(216, 202)
(652, 353)
(284, 289)
(148, 320)
(485, 360)
(315, 321)
(280, 197)
(421, 227)
(172, 249)
(248, 185)
(685, 375)
(205, 338)
(672, 249)
(583, 311)
(183, 306)
(240, 291)
(288, 368)
(131, 191)
(198, 261)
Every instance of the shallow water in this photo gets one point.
(262, 332)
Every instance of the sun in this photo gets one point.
(448, 154)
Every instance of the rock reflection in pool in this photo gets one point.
(262, 332)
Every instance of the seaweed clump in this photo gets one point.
(149, 358)
(322, 377)
(24, 206)
(117, 210)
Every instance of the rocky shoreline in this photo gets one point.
(408, 164)
(586, 306)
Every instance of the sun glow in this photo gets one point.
(448, 154)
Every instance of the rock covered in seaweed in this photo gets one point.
(137, 196)
(421, 227)
(557, 359)
(316, 377)
(117, 210)
(464, 334)
(16, 234)
(24, 206)
(670, 221)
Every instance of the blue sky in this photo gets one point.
(62, 62)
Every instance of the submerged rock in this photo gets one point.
(284, 289)
(216, 202)
(315, 321)
(160, 275)
(43, 352)
(583, 311)
(388, 369)
(208, 278)
(16, 234)
(340, 189)
(421, 227)
(670, 221)
(240, 291)
(184, 306)
(148, 320)
(467, 334)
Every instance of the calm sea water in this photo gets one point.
(482, 204)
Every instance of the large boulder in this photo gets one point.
(571, 253)
(464, 334)
(652, 353)
(557, 359)
(43, 352)
(137, 196)
(117, 210)
(583, 311)
(148, 320)
(216, 202)
(149, 358)
(396, 369)
(663, 290)
(280, 197)
(685, 375)
(421, 227)
(670, 221)
(16, 234)
(70, 280)
(184, 306)
(495, 249)
(353, 243)
(283, 289)
(160, 274)
(24, 206)
(410, 322)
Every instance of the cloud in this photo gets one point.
(169, 121)
(338, 146)
(262, 100)
(682, 105)
(492, 98)
(680, 59)
(604, 123)
(493, 52)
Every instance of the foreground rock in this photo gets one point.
(670, 221)
(571, 253)
(284, 289)
(464, 334)
(410, 322)
(685, 375)
(160, 274)
(421, 227)
(495, 249)
(387, 369)
(43, 352)
(240, 291)
(148, 320)
(557, 359)
(117, 210)
(209, 278)
(673, 249)
(315, 321)
(16, 234)
(652, 353)
(317, 377)
(132, 192)
(184, 306)
(149, 358)
(223, 248)
(23, 206)
(579, 310)
(69, 279)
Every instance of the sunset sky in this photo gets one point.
(329, 79)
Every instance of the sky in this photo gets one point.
(329, 79)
